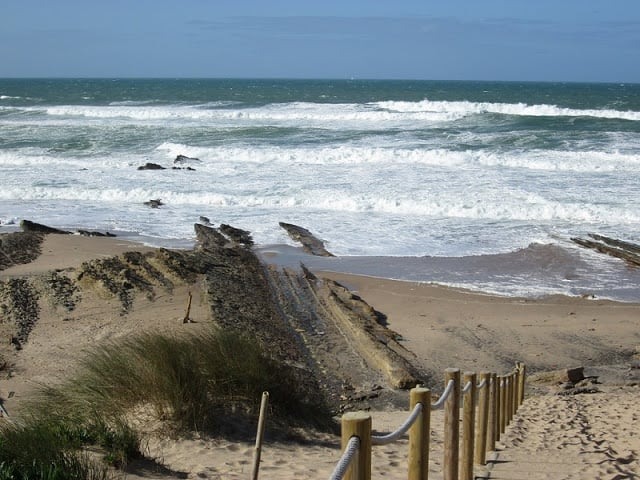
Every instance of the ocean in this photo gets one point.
(473, 184)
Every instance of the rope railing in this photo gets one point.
(443, 398)
(400, 431)
(488, 406)
(467, 387)
(345, 460)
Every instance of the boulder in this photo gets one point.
(151, 166)
(567, 376)
(184, 160)
(89, 233)
(574, 375)
(154, 203)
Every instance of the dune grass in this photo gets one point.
(44, 451)
(208, 382)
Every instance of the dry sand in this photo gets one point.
(446, 327)
(583, 436)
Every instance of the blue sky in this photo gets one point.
(560, 40)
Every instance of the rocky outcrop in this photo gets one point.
(29, 226)
(377, 344)
(242, 237)
(19, 306)
(19, 247)
(90, 233)
(336, 343)
(184, 160)
(310, 243)
(556, 377)
(154, 203)
(630, 252)
(151, 166)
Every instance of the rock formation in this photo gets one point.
(630, 252)
(337, 344)
(310, 243)
(29, 226)
(184, 160)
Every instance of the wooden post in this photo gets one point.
(516, 395)
(358, 424)
(483, 419)
(521, 382)
(492, 430)
(468, 426)
(503, 403)
(451, 427)
(509, 398)
(260, 434)
(419, 435)
(187, 318)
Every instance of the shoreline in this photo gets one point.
(422, 270)
(536, 272)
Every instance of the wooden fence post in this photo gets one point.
(483, 419)
(523, 372)
(509, 403)
(419, 435)
(260, 435)
(516, 395)
(358, 424)
(468, 427)
(494, 406)
(503, 403)
(510, 399)
(451, 427)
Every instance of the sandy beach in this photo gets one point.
(578, 436)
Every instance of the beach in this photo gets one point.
(436, 328)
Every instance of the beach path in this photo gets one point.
(572, 437)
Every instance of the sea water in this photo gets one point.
(465, 173)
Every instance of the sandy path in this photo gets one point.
(573, 437)
(314, 459)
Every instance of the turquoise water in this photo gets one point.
(376, 168)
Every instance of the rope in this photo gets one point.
(402, 429)
(447, 391)
(466, 388)
(345, 460)
(482, 384)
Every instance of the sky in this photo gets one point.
(523, 40)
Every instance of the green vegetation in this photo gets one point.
(209, 382)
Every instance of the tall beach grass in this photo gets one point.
(210, 382)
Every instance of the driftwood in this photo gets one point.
(630, 252)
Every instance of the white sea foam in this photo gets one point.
(354, 154)
(468, 108)
(384, 178)
(425, 110)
